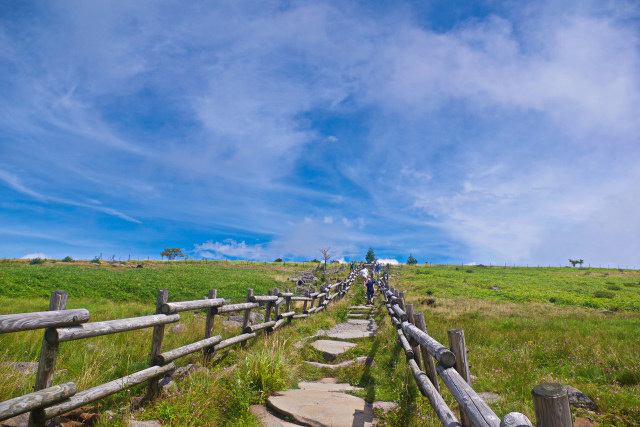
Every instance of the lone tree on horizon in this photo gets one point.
(171, 253)
(326, 254)
(411, 260)
(371, 256)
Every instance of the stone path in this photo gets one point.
(325, 402)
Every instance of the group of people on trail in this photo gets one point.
(368, 280)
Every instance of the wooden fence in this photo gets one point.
(551, 402)
(48, 401)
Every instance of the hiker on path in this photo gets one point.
(370, 291)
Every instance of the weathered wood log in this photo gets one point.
(287, 314)
(96, 393)
(108, 327)
(314, 294)
(446, 416)
(300, 316)
(48, 355)
(285, 294)
(231, 341)
(278, 323)
(474, 407)
(235, 307)
(263, 298)
(301, 299)
(279, 302)
(153, 388)
(168, 356)
(415, 346)
(427, 359)
(36, 400)
(42, 319)
(259, 326)
(515, 419)
(442, 354)
(322, 295)
(404, 343)
(399, 312)
(176, 307)
(459, 348)
(247, 312)
(551, 405)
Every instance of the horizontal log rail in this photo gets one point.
(96, 329)
(36, 400)
(68, 325)
(41, 320)
(176, 307)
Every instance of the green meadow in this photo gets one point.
(578, 327)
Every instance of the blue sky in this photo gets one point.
(459, 132)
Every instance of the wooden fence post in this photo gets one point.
(427, 359)
(153, 390)
(208, 326)
(48, 356)
(288, 305)
(245, 319)
(459, 348)
(551, 405)
(415, 346)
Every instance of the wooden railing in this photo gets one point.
(551, 403)
(48, 401)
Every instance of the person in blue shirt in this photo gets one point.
(370, 291)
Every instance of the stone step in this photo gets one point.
(361, 307)
(328, 387)
(321, 408)
(268, 419)
(348, 335)
(363, 360)
(332, 349)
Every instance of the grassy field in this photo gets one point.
(539, 325)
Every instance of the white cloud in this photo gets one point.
(391, 261)
(35, 255)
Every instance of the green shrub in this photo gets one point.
(614, 287)
(603, 294)
(278, 260)
(96, 260)
(67, 259)
(35, 261)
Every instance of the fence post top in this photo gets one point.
(549, 390)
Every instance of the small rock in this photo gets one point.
(180, 327)
(95, 263)
(152, 423)
(26, 368)
(583, 422)
(166, 384)
(384, 406)
(490, 397)
(231, 324)
(605, 311)
(183, 370)
(580, 400)
(199, 316)
(19, 421)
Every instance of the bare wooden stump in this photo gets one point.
(551, 405)
(48, 356)
(247, 312)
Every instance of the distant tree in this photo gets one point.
(411, 260)
(580, 262)
(574, 262)
(67, 259)
(371, 256)
(326, 254)
(171, 253)
(278, 260)
(334, 261)
(315, 260)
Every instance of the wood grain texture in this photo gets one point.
(176, 307)
(108, 327)
(91, 395)
(427, 359)
(442, 354)
(446, 416)
(36, 400)
(42, 319)
(168, 356)
(235, 307)
(515, 419)
(551, 405)
(259, 326)
(479, 413)
(231, 341)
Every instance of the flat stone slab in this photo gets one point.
(328, 387)
(361, 321)
(353, 330)
(332, 349)
(364, 360)
(356, 315)
(320, 409)
(267, 418)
